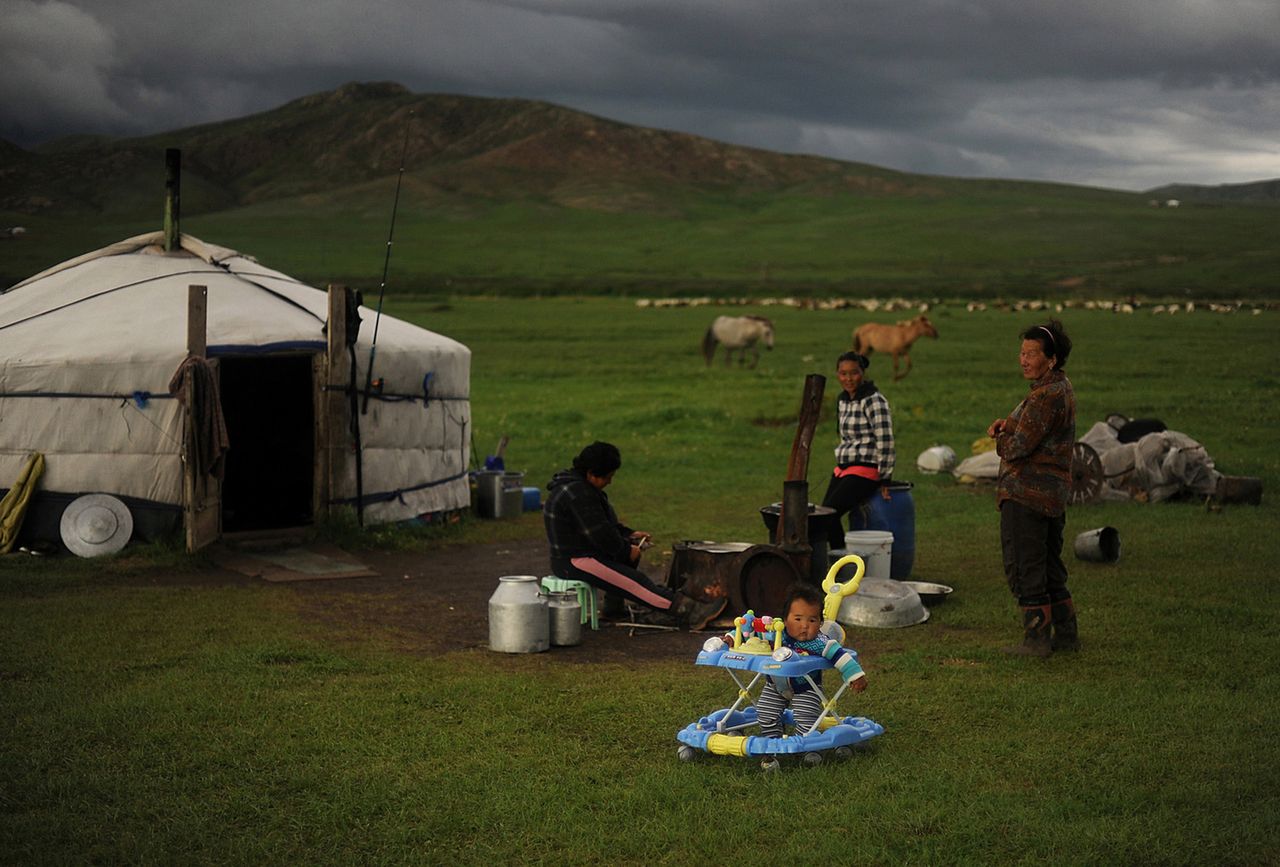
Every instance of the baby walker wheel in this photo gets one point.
(770, 765)
(812, 760)
(686, 753)
(843, 753)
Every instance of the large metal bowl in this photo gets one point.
(930, 593)
(882, 603)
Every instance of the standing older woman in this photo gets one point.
(1035, 444)
(865, 455)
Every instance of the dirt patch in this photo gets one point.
(438, 600)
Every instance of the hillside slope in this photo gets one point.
(518, 196)
(329, 142)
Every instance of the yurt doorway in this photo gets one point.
(270, 413)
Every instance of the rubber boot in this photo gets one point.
(1066, 638)
(693, 615)
(1036, 620)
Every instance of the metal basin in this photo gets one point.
(930, 593)
(882, 603)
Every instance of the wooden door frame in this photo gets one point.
(333, 413)
(201, 492)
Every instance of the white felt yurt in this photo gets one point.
(88, 349)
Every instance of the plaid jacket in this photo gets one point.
(1035, 447)
(866, 430)
(580, 522)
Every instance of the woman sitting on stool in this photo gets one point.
(865, 455)
(588, 542)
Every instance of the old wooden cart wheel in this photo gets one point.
(1086, 474)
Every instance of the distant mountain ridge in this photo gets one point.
(1262, 192)
(453, 145)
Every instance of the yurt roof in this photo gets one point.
(124, 307)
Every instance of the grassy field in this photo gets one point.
(979, 239)
(169, 722)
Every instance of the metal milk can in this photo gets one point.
(518, 619)
(566, 618)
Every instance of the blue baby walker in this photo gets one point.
(722, 732)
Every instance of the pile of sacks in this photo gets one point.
(1155, 466)
(1141, 460)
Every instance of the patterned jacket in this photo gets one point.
(866, 430)
(821, 645)
(580, 522)
(1035, 447)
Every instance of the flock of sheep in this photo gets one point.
(892, 305)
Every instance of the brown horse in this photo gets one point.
(893, 339)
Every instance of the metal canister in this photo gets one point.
(518, 616)
(565, 612)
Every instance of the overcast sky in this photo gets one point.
(1128, 94)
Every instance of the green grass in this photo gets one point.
(965, 238)
(163, 722)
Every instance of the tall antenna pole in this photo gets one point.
(172, 197)
(386, 263)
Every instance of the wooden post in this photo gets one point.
(798, 460)
(793, 522)
(810, 410)
(197, 320)
(201, 494)
(334, 417)
(172, 198)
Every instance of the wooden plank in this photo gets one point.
(793, 527)
(197, 320)
(810, 410)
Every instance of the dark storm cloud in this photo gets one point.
(1122, 93)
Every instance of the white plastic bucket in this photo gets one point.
(875, 547)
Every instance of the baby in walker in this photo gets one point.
(788, 680)
(802, 633)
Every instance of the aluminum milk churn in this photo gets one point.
(566, 618)
(518, 619)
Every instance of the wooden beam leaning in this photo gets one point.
(810, 410)
(793, 522)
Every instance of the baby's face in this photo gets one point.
(804, 619)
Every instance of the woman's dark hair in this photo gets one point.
(861, 360)
(808, 592)
(1053, 341)
(599, 459)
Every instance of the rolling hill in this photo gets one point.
(453, 145)
(1258, 192)
(522, 196)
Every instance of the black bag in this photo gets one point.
(1137, 428)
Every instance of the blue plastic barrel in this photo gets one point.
(898, 516)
